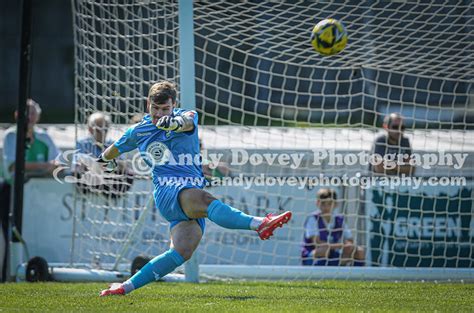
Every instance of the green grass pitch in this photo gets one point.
(335, 296)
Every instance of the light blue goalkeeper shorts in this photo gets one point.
(167, 202)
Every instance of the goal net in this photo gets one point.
(274, 110)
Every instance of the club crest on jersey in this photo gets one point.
(157, 153)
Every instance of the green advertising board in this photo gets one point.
(432, 226)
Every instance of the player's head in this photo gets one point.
(161, 100)
(98, 124)
(393, 123)
(34, 112)
(326, 200)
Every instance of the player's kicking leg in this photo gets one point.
(197, 203)
(185, 238)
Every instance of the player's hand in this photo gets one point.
(169, 123)
(106, 165)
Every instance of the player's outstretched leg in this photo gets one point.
(185, 238)
(197, 203)
(157, 268)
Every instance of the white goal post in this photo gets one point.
(248, 69)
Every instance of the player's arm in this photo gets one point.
(107, 158)
(179, 124)
(188, 123)
(126, 143)
(111, 153)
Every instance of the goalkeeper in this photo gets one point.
(165, 135)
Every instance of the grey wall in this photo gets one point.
(52, 71)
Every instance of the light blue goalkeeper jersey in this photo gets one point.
(170, 154)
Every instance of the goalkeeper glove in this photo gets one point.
(107, 165)
(170, 123)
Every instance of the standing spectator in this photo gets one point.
(41, 152)
(40, 156)
(392, 147)
(211, 171)
(327, 239)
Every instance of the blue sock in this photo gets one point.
(228, 217)
(155, 269)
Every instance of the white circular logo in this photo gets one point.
(157, 153)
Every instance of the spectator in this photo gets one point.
(327, 239)
(392, 147)
(213, 170)
(40, 156)
(98, 126)
(41, 152)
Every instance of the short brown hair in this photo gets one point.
(160, 92)
(326, 193)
